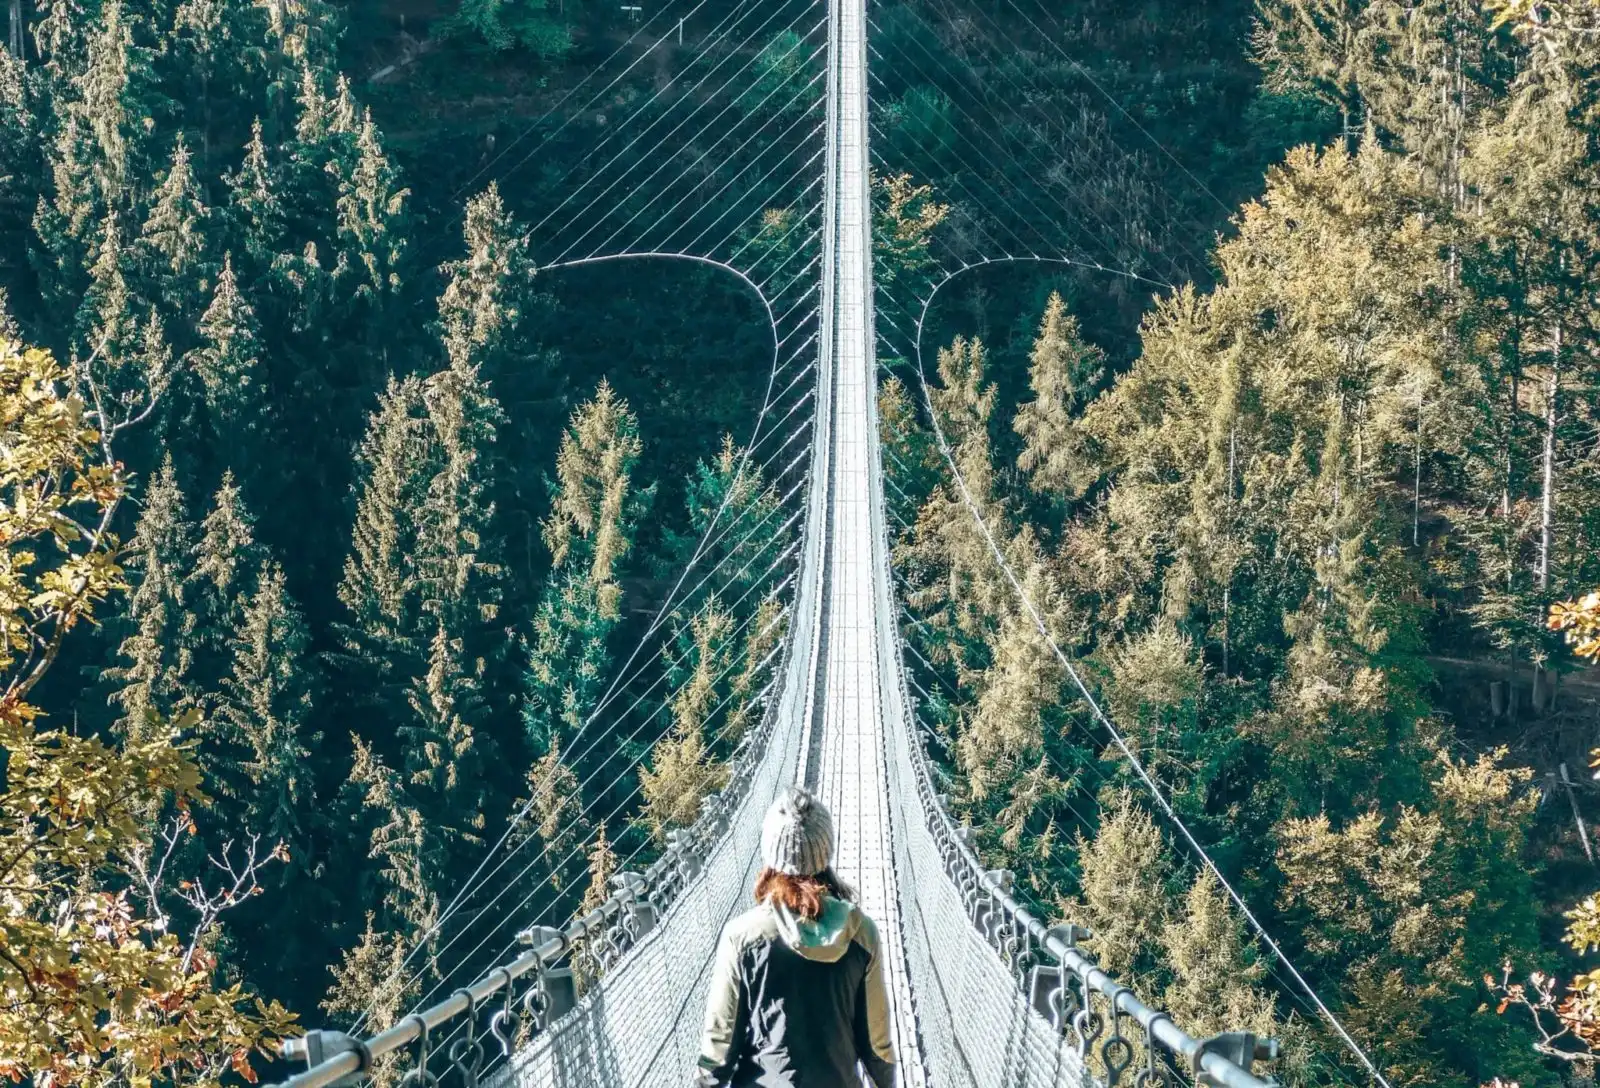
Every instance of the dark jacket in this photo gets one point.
(797, 1004)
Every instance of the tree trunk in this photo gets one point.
(1547, 491)
(1416, 479)
(17, 28)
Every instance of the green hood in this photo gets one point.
(825, 940)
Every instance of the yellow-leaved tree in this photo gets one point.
(95, 989)
(1566, 1014)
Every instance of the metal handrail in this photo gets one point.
(966, 869)
(658, 886)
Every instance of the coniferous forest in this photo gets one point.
(333, 516)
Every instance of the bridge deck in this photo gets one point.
(848, 765)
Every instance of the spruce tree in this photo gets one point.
(762, 639)
(458, 548)
(682, 769)
(408, 858)
(174, 239)
(447, 759)
(227, 361)
(380, 644)
(568, 663)
(589, 530)
(369, 215)
(1217, 975)
(594, 504)
(154, 682)
(223, 580)
(1063, 374)
(106, 325)
(953, 580)
(911, 461)
(1123, 898)
(488, 292)
(117, 89)
(22, 166)
(737, 528)
(255, 204)
(265, 709)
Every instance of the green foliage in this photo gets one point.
(923, 117)
(784, 83)
(97, 989)
(541, 27)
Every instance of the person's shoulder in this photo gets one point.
(865, 930)
(756, 924)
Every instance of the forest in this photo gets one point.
(345, 520)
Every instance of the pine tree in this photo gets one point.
(683, 770)
(763, 636)
(1005, 730)
(911, 461)
(1155, 697)
(173, 241)
(697, 668)
(953, 581)
(374, 975)
(1063, 375)
(266, 707)
(380, 589)
(254, 202)
(155, 682)
(556, 819)
(1217, 975)
(1124, 899)
(410, 851)
(602, 866)
(447, 759)
(222, 582)
(228, 363)
(117, 90)
(369, 216)
(106, 323)
(458, 549)
(736, 527)
(594, 504)
(488, 294)
(568, 665)
(22, 164)
(680, 776)
(379, 972)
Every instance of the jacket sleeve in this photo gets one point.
(874, 1042)
(724, 1026)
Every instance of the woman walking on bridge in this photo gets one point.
(797, 990)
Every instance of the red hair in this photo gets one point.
(801, 895)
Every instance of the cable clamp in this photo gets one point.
(318, 1047)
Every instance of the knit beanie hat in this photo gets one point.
(797, 834)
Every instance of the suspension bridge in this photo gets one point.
(984, 993)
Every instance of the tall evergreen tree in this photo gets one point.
(1063, 373)
(380, 644)
(594, 504)
(265, 709)
(683, 770)
(255, 204)
(222, 580)
(154, 682)
(595, 507)
(174, 238)
(369, 216)
(1217, 984)
(736, 532)
(227, 361)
